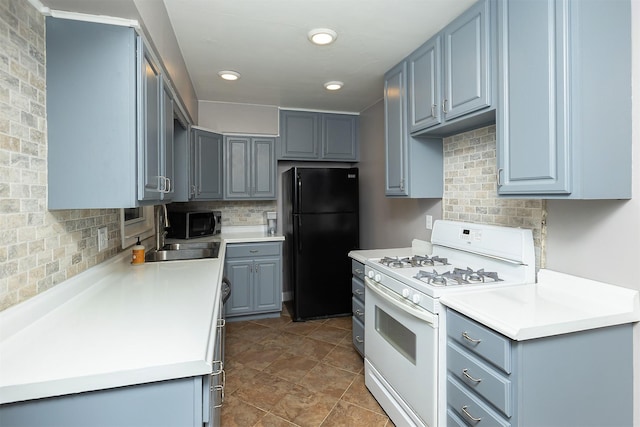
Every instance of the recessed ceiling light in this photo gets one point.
(333, 85)
(322, 36)
(229, 75)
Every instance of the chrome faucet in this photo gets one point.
(162, 223)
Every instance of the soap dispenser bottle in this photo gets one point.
(137, 253)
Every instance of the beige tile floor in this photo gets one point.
(306, 374)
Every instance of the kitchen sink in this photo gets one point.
(184, 251)
(190, 245)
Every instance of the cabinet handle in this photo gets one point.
(433, 110)
(359, 312)
(465, 372)
(466, 336)
(253, 251)
(444, 105)
(359, 271)
(499, 176)
(217, 368)
(358, 292)
(220, 389)
(167, 186)
(402, 184)
(471, 417)
(359, 340)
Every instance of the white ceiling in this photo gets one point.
(266, 42)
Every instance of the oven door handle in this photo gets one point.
(392, 298)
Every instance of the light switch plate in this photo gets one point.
(103, 239)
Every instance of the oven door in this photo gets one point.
(401, 355)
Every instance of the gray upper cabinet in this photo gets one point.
(206, 165)
(106, 130)
(309, 135)
(564, 116)
(451, 77)
(414, 166)
(250, 168)
(425, 80)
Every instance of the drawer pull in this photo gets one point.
(359, 340)
(253, 251)
(471, 417)
(358, 292)
(465, 372)
(359, 312)
(359, 271)
(466, 336)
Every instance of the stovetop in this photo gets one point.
(461, 256)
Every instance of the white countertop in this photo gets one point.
(366, 254)
(557, 304)
(115, 325)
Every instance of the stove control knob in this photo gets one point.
(405, 293)
(415, 298)
(370, 274)
(377, 278)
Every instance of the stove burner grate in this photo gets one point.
(458, 276)
(414, 261)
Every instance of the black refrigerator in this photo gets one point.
(320, 224)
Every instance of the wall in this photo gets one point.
(225, 117)
(38, 248)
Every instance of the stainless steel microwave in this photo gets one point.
(191, 224)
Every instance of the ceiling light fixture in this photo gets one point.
(322, 36)
(229, 75)
(333, 85)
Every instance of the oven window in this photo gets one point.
(396, 334)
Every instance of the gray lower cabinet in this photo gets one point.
(577, 379)
(255, 273)
(250, 168)
(181, 402)
(453, 74)
(413, 166)
(357, 305)
(108, 107)
(564, 117)
(309, 135)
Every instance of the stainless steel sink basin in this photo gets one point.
(190, 245)
(183, 251)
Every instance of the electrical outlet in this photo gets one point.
(103, 239)
(429, 222)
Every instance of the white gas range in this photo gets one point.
(404, 351)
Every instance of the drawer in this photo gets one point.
(250, 250)
(480, 340)
(357, 269)
(470, 408)
(357, 288)
(480, 377)
(357, 307)
(357, 331)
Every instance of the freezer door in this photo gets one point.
(322, 268)
(326, 190)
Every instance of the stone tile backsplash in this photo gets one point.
(236, 213)
(470, 188)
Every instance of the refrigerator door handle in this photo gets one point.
(299, 238)
(299, 182)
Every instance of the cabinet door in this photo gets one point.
(263, 168)
(300, 134)
(206, 165)
(466, 62)
(240, 274)
(533, 112)
(425, 82)
(395, 131)
(268, 285)
(339, 137)
(237, 184)
(151, 181)
(168, 143)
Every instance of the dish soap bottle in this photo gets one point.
(137, 253)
